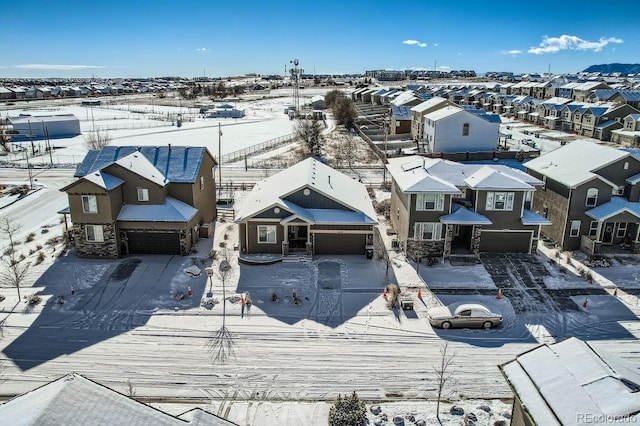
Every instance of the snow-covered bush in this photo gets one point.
(348, 411)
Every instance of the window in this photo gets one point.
(500, 200)
(89, 204)
(626, 165)
(143, 194)
(465, 129)
(201, 183)
(593, 228)
(592, 197)
(267, 234)
(432, 202)
(94, 233)
(622, 230)
(575, 228)
(427, 231)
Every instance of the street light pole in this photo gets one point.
(384, 165)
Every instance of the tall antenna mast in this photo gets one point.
(295, 74)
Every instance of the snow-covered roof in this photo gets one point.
(179, 164)
(104, 180)
(532, 218)
(171, 210)
(488, 178)
(462, 216)
(614, 207)
(311, 174)
(428, 104)
(75, 400)
(573, 164)
(633, 180)
(50, 118)
(444, 112)
(138, 164)
(421, 174)
(557, 382)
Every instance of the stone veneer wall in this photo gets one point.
(108, 248)
(427, 248)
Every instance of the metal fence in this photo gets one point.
(255, 149)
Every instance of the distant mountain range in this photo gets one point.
(611, 68)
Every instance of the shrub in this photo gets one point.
(31, 237)
(34, 299)
(41, 257)
(348, 411)
(39, 247)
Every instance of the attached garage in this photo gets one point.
(340, 243)
(145, 242)
(505, 242)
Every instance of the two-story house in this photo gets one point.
(441, 207)
(137, 200)
(455, 129)
(308, 208)
(422, 109)
(591, 195)
(629, 135)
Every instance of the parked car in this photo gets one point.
(463, 315)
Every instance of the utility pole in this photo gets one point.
(46, 135)
(384, 165)
(33, 148)
(219, 160)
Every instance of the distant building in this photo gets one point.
(39, 126)
(226, 111)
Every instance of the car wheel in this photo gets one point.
(446, 325)
(487, 325)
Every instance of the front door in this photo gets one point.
(297, 236)
(607, 232)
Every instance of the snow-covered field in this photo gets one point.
(124, 324)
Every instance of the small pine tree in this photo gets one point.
(348, 411)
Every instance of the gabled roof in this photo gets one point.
(556, 382)
(415, 174)
(462, 216)
(401, 112)
(179, 164)
(574, 163)
(435, 101)
(104, 180)
(311, 174)
(488, 178)
(138, 164)
(614, 207)
(171, 210)
(74, 400)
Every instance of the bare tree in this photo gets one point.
(221, 344)
(14, 268)
(443, 373)
(97, 139)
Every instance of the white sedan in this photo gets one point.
(464, 315)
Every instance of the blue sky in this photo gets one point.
(190, 38)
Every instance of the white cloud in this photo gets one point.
(202, 49)
(568, 42)
(414, 43)
(57, 67)
(435, 44)
(512, 52)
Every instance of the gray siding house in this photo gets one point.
(591, 194)
(306, 209)
(440, 208)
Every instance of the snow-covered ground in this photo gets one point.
(125, 324)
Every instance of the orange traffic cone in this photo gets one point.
(189, 292)
(586, 302)
(499, 295)
(419, 294)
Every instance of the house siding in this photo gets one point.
(251, 238)
(314, 200)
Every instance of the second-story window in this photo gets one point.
(499, 200)
(143, 194)
(89, 204)
(592, 197)
(465, 129)
(430, 202)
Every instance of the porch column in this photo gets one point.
(448, 238)
(285, 241)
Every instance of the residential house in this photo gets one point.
(566, 90)
(591, 195)
(306, 209)
(440, 207)
(453, 129)
(629, 135)
(572, 382)
(422, 109)
(598, 121)
(137, 200)
(400, 122)
(406, 98)
(551, 112)
(582, 91)
(75, 400)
